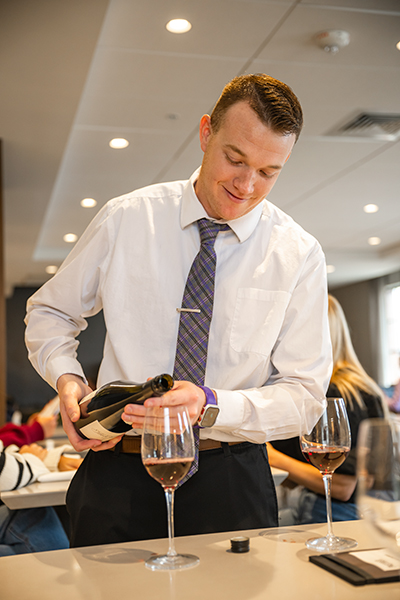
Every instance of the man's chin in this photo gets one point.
(234, 212)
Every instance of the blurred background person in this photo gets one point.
(31, 529)
(394, 404)
(394, 399)
(301, 498)
(40, 426)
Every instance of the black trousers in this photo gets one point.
(112, 498)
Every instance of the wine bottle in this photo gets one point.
(102, 409)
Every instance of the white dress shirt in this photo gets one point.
(269, 354)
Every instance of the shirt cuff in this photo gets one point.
(231, 406)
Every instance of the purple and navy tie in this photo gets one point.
(195, 316)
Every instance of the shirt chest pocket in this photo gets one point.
(257, 320)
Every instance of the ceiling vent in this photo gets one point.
(374, 126)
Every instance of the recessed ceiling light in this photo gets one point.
(371, 208)
(51, 269)
(374, 241)
(178, 26)
(88, 202)
(119, 143)
(398, 45)
(70, 238)
(330, 268)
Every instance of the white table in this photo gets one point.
(54, 493)
(37, 494)
(273, 569)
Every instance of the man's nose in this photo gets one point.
(245, 183)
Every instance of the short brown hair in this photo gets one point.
(273, 101)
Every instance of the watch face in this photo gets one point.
(209, 416)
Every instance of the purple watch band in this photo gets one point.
(210, 397)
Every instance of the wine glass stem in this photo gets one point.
(169, 496)
(327, 479)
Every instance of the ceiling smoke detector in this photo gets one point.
(333, 40)
(373, 126)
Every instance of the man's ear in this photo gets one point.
(205, 131)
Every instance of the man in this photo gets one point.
(268, 356)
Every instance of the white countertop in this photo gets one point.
(273, 569)
(49, 493)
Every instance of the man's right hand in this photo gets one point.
(71, 389)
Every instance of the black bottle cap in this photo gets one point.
(240, 544)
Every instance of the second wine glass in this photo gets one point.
(326, 447)
(378, 490)
(167, 454)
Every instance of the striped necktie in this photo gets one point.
(196, 314)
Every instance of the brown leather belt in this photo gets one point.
(131, 444)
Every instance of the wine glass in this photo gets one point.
(378, 470)
(167, 454)
(326, 447)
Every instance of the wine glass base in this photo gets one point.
(163, 562)
(331, 544)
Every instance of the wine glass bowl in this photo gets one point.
(167, 445)
(167, 453)
(378, 470)
(326, 447)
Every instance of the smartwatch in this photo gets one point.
(210, 410)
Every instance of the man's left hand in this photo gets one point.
(183, 393)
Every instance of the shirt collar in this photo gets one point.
(192, 210)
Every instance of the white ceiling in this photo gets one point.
(76, 74)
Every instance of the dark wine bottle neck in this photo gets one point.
(161, 384)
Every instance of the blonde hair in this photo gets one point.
(348, 374)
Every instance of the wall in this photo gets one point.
(3, 351)
(24, 385)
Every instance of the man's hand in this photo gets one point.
(71, 389)
(183, 393)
